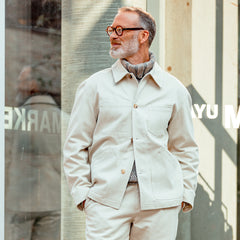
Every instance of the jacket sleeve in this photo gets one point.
(182, 144)
(78, 139)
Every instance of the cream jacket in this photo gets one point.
(116, 120)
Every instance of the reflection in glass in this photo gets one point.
(32, 120)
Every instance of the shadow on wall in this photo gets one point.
(207, 220)
(210, 218)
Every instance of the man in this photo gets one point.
(33, 190)
(130, 157)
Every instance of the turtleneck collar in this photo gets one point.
(139, 70)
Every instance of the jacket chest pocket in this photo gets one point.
(158, 118)
(115, 118)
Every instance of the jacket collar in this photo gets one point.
(158, 75)
(40, 99)
(119, 72)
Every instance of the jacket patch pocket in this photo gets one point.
(114, 115)
(158, 118)
(102, 166)
(166, 176)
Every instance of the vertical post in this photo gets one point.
(154, 7)
(227, 76)
(2, 92)
(177, 61)
(178, 39)
(238, 140)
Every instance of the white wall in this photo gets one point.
(198, 44)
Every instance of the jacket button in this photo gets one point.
(135, 105)
(123, 171)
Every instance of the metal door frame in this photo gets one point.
(2, 97)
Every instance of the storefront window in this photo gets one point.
(32, 119)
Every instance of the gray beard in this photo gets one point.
(115, 54)
(125, 51)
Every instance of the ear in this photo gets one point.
(143, 36)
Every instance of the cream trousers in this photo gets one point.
(130, 222)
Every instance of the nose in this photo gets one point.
(113, 35)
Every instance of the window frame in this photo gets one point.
(2, 97)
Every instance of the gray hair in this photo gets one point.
(146, 21)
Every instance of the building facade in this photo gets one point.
(52, 46)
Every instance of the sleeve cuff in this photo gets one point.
(80, 194)
(188, 198)
(187, 207)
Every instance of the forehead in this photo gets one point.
(126, 19)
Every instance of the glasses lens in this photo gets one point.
(119, 30)
(109, 30)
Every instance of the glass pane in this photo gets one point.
(32, 119)
(85, 50)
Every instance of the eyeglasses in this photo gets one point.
(119, 30)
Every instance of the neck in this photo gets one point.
(140, 57)
(139, 70)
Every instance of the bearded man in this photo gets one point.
(130, 157)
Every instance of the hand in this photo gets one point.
(81, 205)
(186, 206)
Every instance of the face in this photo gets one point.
(26, 85)
(126, 45)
